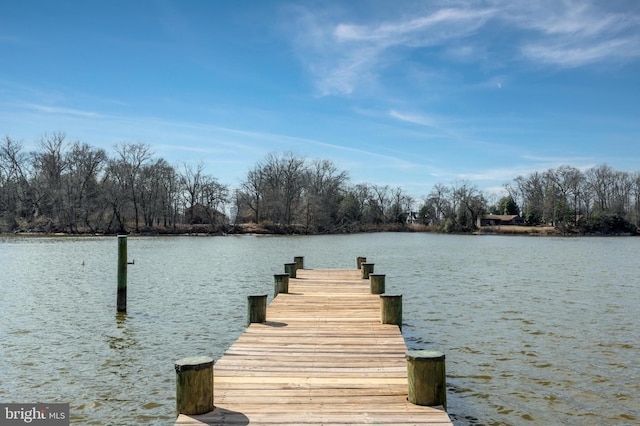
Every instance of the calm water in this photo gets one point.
(536, 330)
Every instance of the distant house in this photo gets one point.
(412, 217)
(500, 219)
(200, 214)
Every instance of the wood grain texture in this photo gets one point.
(322, 357)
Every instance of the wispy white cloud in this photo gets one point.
(578, 19)
(573, 34)
(61, 110)
(419, 119)
(420, 31)
(552, 161)
(344, 55)
(576, 54)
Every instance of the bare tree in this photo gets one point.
(49, 164)
(470, 204)
(292, 177)
(532, 189)
(437, 206)
(214, 197)
(15, 175)
(157, 190)
(132, 158)
(400, 205)
(202, 195)
(81, 190)
(600, 180)
(378, 204)
(280, 180)
(191, 182)
(115, 186)
(636, 199)
(324, 187)
(252, 192)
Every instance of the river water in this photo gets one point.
(536, 330)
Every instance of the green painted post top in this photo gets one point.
(421, 355)
(193, 363)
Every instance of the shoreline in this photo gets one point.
(253, 229)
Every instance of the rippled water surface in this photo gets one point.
(535, 330)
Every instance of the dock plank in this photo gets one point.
(322, 357)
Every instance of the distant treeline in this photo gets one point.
(73, 187)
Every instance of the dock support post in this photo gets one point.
(257, 309)
(360, 260)
(299, 261)
(391, 309)
(122, 274)
(376, 282)
(194, 385)
(426, 378)
(290, 268)
(367, 268)
(280, 284)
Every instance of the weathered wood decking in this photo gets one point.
(322, 357)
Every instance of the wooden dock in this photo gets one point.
(322, 357)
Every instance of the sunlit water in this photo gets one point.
(535, 330)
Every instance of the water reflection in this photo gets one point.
(124, 336)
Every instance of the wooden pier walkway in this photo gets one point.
(322, 357)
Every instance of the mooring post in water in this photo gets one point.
(367, 268)
(280, 284)
(391, 309)
(194, 385)
(257, 309)
(426, 378)
(290, 268)
(360, 260)
(299, 261)
(122, 273)
(376, 282)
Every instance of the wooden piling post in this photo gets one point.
(299, 261)
(367, 268)
(280, 284)
(360, 260)
(122, 274)
(257, 309)
(391, 309)
(426, 378)
(194, 385)
(376, 282)
(290, 268)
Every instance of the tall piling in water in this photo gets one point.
(122, 273)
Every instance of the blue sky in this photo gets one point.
(399, 93)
